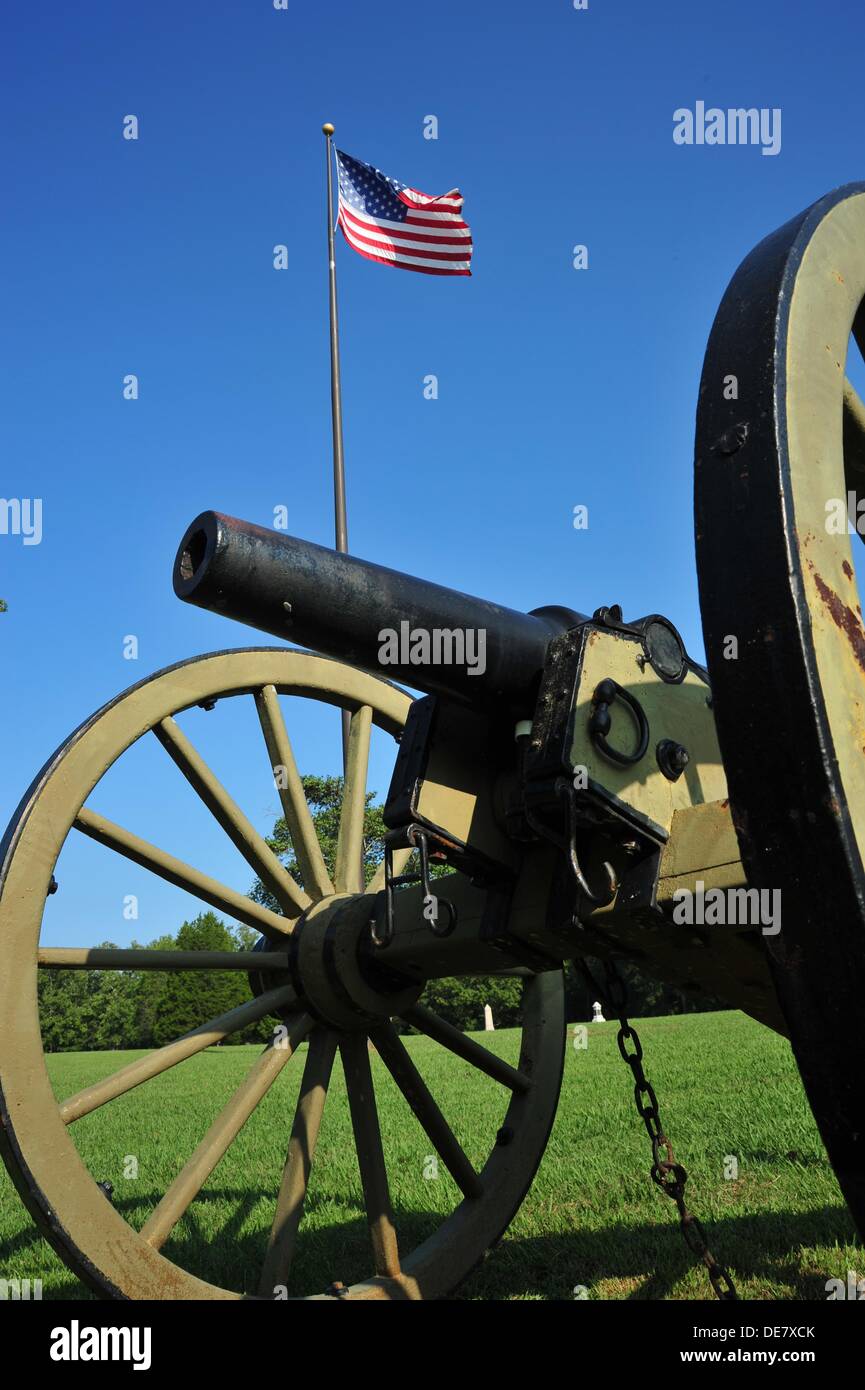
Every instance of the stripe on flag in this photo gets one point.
(386, 221)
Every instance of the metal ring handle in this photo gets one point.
(600, 721)
(439, 928)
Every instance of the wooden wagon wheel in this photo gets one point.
(780, 443)
(87, 1231)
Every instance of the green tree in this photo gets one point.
(146, 988)
(324, 798)
(85, 1009)
(647, 997)
(461, 1001)
(114, 1025)
(188, 998)
(64, 1010)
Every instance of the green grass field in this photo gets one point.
(593, 1217)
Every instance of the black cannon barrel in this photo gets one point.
(421, 634)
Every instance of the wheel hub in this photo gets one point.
(333, 971)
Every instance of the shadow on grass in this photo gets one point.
(644, 1261)
(232, 1256)
(647, 1261)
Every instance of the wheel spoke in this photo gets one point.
(400, 859)
(221, 1135)
(99, 958)
(210, 890)
(242, 833)
(144, 1068)
(467, 1048)
(349, 845)
(294, 804)
(414, 1088)
(370, 1154)
(301, 1149)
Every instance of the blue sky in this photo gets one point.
(557, 387)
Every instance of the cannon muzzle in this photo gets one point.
(408, 630)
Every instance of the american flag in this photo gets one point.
(387, 221)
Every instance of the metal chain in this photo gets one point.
(669, 1175)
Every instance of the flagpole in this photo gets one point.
(341, 525)
(339, 510)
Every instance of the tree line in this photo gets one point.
(104, 1010)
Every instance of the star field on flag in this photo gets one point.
(389, 222)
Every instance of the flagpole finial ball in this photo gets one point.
(327, 128)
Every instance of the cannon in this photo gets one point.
(581, 787)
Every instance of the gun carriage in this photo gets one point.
(574, 784)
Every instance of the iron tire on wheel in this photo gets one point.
(771, 465)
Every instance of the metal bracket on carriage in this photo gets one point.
(417, 837)
(567, 843)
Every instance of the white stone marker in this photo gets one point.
(489, 1026)
(597, 1016)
